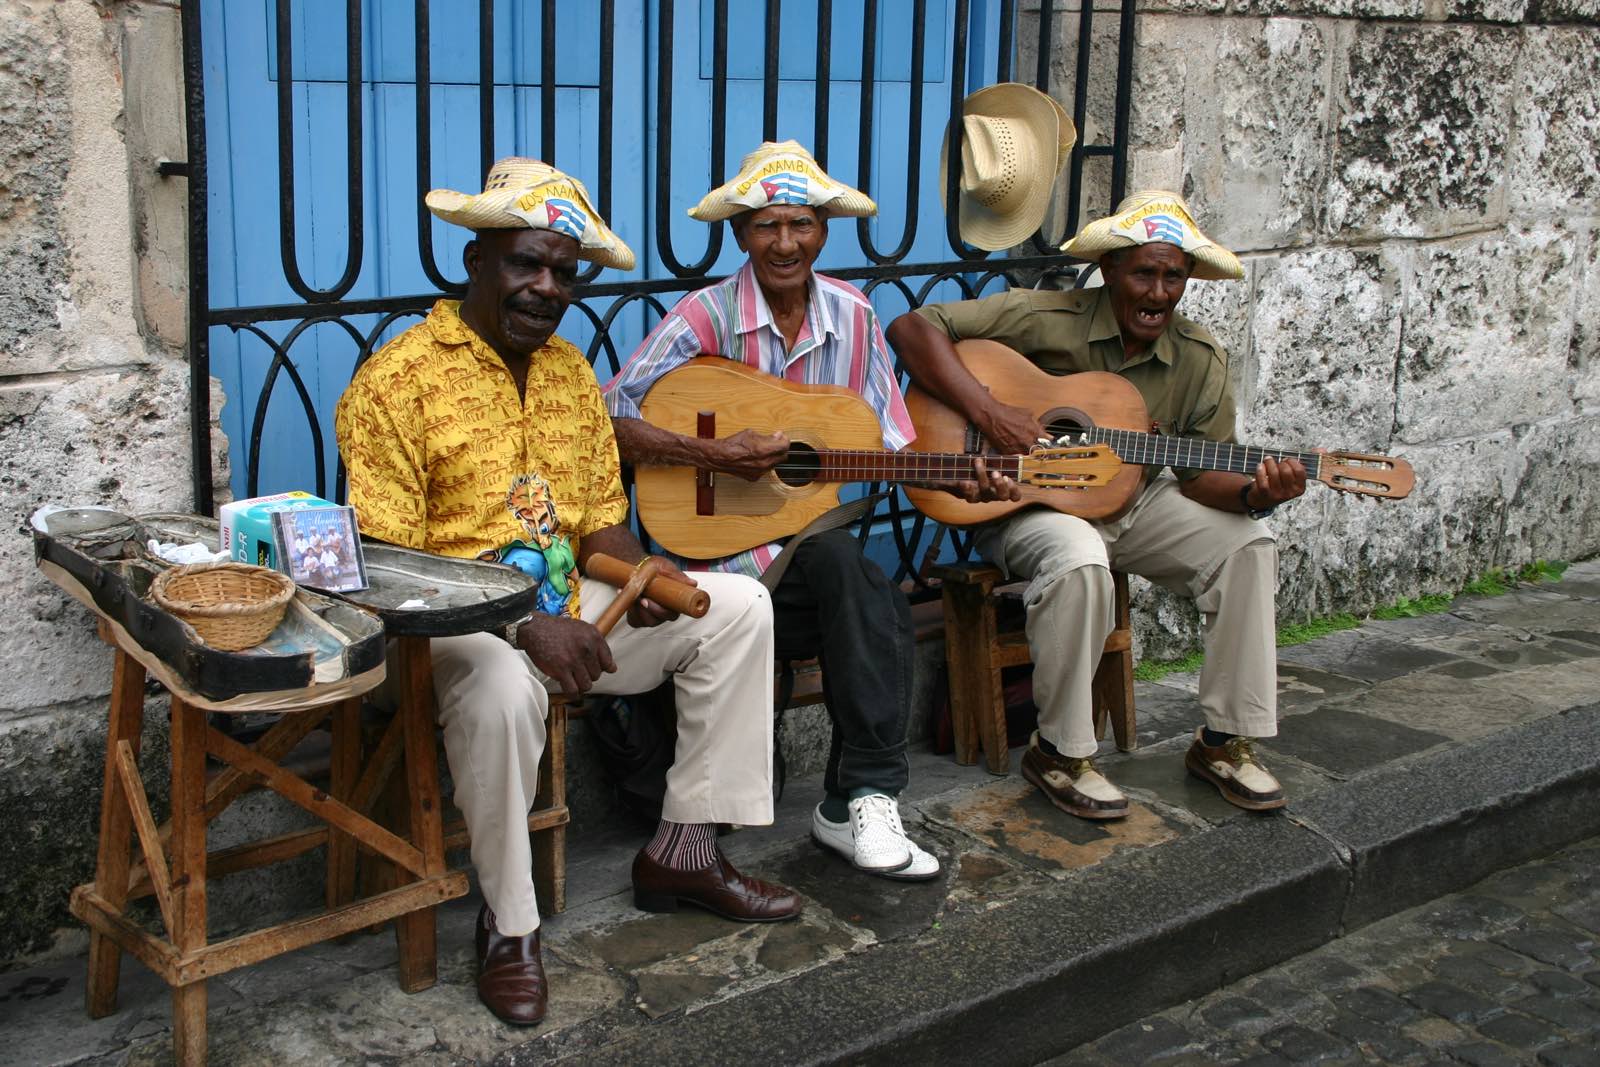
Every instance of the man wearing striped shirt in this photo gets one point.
(778, 316)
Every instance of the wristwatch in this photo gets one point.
(1253, 512)
(510, 632)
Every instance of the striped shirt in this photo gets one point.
(840, 343)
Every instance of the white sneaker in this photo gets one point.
(840, 837)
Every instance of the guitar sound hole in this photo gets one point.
(1064, 425)
(801, 466)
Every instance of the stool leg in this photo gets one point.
(550, 846)
(343, 772)
(116, 830)
(418, 932)
(969, 650)
(188, 847)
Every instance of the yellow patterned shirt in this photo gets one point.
(444, 457)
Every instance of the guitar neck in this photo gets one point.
(868, 465)
(1162, 450)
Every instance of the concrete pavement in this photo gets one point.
(1421, 755)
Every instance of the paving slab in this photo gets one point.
(1347, 742)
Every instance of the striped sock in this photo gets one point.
(684, 846)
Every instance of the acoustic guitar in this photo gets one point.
(835, 437)
(1099, 408)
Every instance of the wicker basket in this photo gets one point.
(232, 606)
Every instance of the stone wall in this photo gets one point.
(93, 395)
(1414, 187)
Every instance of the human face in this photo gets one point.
(519, 283)
(782, 242)
(1145, 284)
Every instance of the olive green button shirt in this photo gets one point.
(1183, 377)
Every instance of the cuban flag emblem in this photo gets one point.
(565, 217)
(1164, 228)
(785, 187)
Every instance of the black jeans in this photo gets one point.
(837, 605)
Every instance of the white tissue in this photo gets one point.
(176, 553)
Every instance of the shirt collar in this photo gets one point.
(1103, 327)
(449, 328)
(755, 312)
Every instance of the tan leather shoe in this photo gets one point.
(510, 973)
(1072, 784)
(718, 888)
(1236, 771)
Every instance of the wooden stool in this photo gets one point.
(176, 864)
(976, 651)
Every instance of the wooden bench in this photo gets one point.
(977, 648)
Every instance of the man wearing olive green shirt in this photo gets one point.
(1194, 532)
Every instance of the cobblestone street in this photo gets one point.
(1505, 973)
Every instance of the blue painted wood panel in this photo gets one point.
(246, 267)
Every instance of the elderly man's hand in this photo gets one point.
(749, 454)
(1011, 430)
(644, 612)
(570, 652)
(986, 485)
(1277, 481)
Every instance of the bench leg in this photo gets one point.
(550, 846)
(977, 704)
(417, 932)
(116, 832)
(188, 848)
(343, 771)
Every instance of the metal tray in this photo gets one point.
(99, 556)
(448, 596)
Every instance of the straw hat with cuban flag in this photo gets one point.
(781, 172)
(530, 193)
(1150, 216)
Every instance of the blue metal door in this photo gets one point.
(315, 177)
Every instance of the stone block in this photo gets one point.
(1254, 112)
(1324, 335)
(118, 440)
(1555, 161)
(1421, 131)
(1564, 11)
(1583, 353)
(1488, 321)
(51, 768)
(1555, 511)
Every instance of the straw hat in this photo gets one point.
(1016, 141)
(529, 193)
(1149, 216)
(780, 172)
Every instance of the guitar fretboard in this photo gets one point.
(1162, 450)
(845, 465)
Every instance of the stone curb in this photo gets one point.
(1152, 928)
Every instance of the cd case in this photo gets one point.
(319, 548)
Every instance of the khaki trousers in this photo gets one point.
(493, 703)
(1228, 563)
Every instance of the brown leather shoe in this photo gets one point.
(510, 973)
(1072, 784)
(718, 888)
(1236, 771)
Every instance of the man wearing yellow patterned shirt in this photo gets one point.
(478, 433)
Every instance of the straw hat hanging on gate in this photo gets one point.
(1149, 216)
(1016, 141)
(530, 193)
(781, 172)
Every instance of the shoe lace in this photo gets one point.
(874, 808)
(1241, 750)
(1077, 768)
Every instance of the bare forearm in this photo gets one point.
(1216, 489)
(642, 442)
(618, 542)
(931, 360)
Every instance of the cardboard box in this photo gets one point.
(247, 530)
